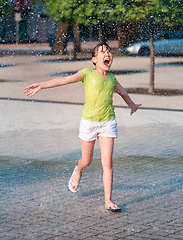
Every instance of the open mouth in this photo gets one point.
(107, 62)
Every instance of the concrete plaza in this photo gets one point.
(39, 147)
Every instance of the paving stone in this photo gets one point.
(39, 149)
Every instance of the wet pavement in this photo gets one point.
(39, 147)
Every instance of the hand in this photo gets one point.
(135, 108)
(32, 89)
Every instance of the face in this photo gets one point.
(103, 58)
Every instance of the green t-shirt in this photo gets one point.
(98, 105)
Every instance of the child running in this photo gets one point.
(98, 116)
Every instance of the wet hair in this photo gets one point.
(95, 50)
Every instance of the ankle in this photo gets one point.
(107, 203)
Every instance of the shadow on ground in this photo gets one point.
(157, 91)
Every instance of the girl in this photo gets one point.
(98, 116)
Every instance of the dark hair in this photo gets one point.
(95, 50)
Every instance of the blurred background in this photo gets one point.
(59, 22)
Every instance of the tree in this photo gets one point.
(63, 12)
(97, 12)
(168, 12)
(5, 8)
(73, 12)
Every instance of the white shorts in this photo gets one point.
(90, 130)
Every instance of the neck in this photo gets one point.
(101, 72)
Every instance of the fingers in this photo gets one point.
(31, 86)
(31, 90)
(26, 88)
(133, 110)
(138, 105)
(30, 94)
(28, 91)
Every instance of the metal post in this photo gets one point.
(17, 20)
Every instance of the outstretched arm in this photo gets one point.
(121, 91)
(60, 81)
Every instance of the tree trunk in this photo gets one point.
(151, 85)
(100, 34)
(61, 38)
(77, 44)
(122, 33)
(76, 32)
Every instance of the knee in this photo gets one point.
(85, 162)
(107, 165)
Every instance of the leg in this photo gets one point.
(85, 161)
(106, 147)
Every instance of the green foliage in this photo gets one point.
(5, 8)
(82, 11)
(95, 11)
(169, 12)
(62, 10)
